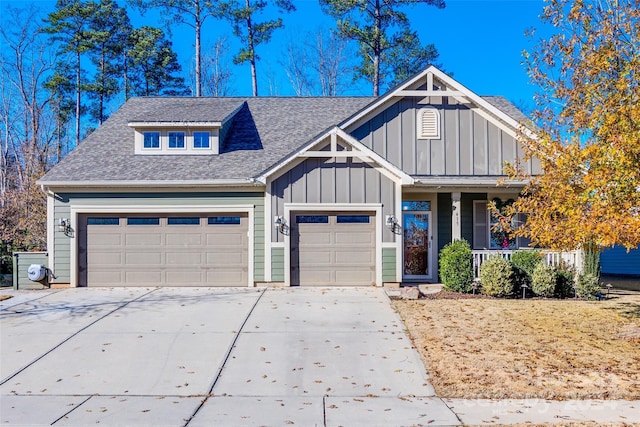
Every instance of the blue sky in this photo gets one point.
(480, 41)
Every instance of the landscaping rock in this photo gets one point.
(409, 293)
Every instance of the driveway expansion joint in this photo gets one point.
(227, 355)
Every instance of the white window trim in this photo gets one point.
(420, 123)
(185, 139)
(519, 240)
(159, 147)
(188, 149)
(193, 140)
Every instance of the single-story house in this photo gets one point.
(282, 190)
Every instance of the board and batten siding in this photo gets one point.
(318, 180)
(64, 201)
(469, 144)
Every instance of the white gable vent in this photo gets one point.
(428, 123)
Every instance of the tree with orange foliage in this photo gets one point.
(587, 129)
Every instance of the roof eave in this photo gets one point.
(102, 184)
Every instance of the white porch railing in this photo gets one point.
(573, 258)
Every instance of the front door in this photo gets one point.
(416, 227)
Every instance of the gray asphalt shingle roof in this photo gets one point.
(281, 124)
(262, 132)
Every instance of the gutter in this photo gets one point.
(153, 183)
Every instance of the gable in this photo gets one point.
(432, 125)
(467, 143)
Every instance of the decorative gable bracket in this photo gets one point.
(432, 90)
(349, 148)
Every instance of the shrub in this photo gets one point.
(456, 266)
(523, 263)
(591, 260)
(564, 286)
(496, 276)
(587, 286)
(544, 280)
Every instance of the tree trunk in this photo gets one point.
(198, 27)
(377, 50)
(78, 98)
(252, 59)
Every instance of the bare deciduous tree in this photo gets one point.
(319, 64)
(216, 73)
(28, 129)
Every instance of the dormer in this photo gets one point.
(182, 138)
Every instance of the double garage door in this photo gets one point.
(163, 250)
(329, 248)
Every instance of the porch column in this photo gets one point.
(456, 227)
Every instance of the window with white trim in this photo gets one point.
(151, 140)
(176, 139)
(428, 123)
(201, 140)
(488, 235)
(182, 141)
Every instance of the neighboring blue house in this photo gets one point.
(617, 260)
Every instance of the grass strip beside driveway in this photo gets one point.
(547, 349)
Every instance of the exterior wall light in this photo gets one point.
(391, 222)
(64, 225)
(280, 224)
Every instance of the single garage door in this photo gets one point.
(163, 250)
(333, 249)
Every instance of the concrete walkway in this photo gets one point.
(202, 357)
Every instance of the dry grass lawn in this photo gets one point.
(552, 349)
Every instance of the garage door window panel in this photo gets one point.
(183, 221)
(353, 219)
(143, 221)
(224, 220)
(312, 219)
(103, 221)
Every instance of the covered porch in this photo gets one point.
(433, 216)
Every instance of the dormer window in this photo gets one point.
(201, 140)
(176, 139)
(428, 121)
(151, 140)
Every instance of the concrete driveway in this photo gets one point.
(202, 357)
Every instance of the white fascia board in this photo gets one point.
(404, 178)
(175, 124)
(456, 88)
(241, 182)
(386, 97)
(283, 164)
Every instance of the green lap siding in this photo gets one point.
(277, 264)
(21, 263)
(389, 265)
